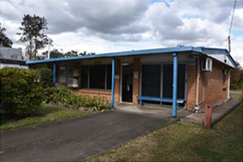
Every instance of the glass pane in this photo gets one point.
(108, 76)
(69, 72)
(97, 77)
(84, 77)
(168, 81)
(151, 80)
(62, 75)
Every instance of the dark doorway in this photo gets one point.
(127, 79)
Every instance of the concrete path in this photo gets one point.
(218, 112)
(78, 138)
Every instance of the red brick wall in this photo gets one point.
(191, 86)
(215, 89)
(136, 69)
(103, 93)
(117, 81)
(211, 88)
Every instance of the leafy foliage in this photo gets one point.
(68, 98)
(57, 54)
(32, 31)
(4, 40)
(45, 77)
(237, 85)
(53, 54)
(21, 94)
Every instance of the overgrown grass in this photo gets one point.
(48, 113)
(235, 95)
(184, 141)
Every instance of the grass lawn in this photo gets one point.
(235, 95)
(184, 141)
(48, 113)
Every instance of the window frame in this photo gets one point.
(88, 79)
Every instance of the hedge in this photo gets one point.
(21, 93)
(45, 77)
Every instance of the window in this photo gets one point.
(108, 76)
(62, 74)
(69, 72)
(151, 80)
(84, 77)
(96, 77)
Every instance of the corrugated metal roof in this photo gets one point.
(202, 50)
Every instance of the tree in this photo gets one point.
(4, 40)
(85, 53)
(32, 31)
(53, 54)
(71, 53)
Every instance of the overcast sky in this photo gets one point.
(108, 26)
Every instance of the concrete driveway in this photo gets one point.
(78, 138)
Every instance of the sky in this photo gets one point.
(118, 25)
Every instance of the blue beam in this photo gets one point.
(54, 74)
(174, 104)
(113, 84)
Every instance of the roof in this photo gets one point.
(211, 52)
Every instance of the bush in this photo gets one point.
(45, 77)
(68, 98)
(21, 94)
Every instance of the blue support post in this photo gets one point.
(174, 104)
(113, 84)
(54, 74)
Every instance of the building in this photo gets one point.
(186, 77)
(11, 57)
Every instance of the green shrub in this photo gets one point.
(69, 99)
(237, 85)
(45, 77)
(21, 94)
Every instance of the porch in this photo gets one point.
(128, 79)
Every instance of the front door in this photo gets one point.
(127, 79)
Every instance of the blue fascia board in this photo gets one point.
(219, 51)
(119, 54)
(202, 50)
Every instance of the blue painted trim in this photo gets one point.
(125, 53)
(200, 50)
(54, 74)
(113, 84)
(207, 50)
(174, 103)
(158, 99)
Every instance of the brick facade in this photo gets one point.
(191, 86)
(215, 86)
(212, 89)
(136, 77)
(117, 81)
(103, 93)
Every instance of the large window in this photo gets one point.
(84, 77)
(96, 77)
(108, 76)
(151, 80)
(168, 81)
(62, 75)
